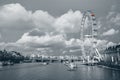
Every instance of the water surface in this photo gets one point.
(56, 71)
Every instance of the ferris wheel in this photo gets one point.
(89, 30)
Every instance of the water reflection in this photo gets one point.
(56, 71)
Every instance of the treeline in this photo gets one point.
(10, 56)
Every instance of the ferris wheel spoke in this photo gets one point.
(91, 36)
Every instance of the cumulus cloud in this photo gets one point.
(73, 42)
(42, 41)
(32, 42)
(51, 44)
(76, 50)
(110, 32)
(16, 17)
(110, 25)
(14, 21)
(111, 44)
(114, 16)
(69, 22)
(12, 15)
(44, 33)
(43, 20)
(116, 19)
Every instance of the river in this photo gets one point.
(56, 71)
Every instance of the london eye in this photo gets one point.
(89, 31)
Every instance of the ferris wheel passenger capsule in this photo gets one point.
(92, 14)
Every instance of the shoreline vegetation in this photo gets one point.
(10, 57)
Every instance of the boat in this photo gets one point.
(72, 66)
(45, 63)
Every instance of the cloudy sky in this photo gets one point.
(53, 26)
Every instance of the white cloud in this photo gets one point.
(13, 14)
(76, 50)
(47, 33)
(69, 22)
(116, 19)
(110, 32)
(114, 16)
(57, 42)
(101, 44)
(51, 44)
(110, 25)
(111, 44)
(43, 20)
(73, 42)
(42, 41)
(16, 17)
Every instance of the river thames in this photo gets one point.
(56, 71)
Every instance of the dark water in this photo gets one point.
(56, 71)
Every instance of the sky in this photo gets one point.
(53, 26)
